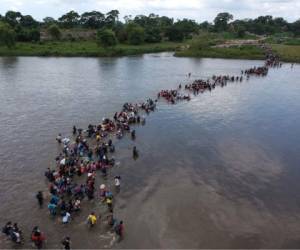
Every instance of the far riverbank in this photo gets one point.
(288, 53)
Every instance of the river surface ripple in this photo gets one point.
(220, 171)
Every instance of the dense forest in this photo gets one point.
(109, 30)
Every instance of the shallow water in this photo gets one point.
(220, 171)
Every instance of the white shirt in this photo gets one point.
(66, 218)
(117, 182)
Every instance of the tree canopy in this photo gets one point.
(93, 19)
(7, 35)
(70, 19)
(106, 38)
(150, 28)
(221, 21)
(136, 34)
(54, 31)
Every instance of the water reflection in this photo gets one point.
(8, 61)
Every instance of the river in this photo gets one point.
(220, 171)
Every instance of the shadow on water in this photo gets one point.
(8, 61)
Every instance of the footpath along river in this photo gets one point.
(220, 171)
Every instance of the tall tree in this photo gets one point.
(187, 26)
(28, 22)
(106, 38)
(93, 19)
(221, 21)
(128, 19)
(296, 27)
(69, 20)
(112, 17)
(54, 32)
(7, 35)
(49, 21)
(175, 34)
(13, 17)
(136, 33)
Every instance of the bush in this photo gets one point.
(122, 35)
(70, 38)
(28, 35)
(106, 38)
(136, 35)
(175, 34)
(7, 35)
(54, 32)
(153, 35)
(241, 32)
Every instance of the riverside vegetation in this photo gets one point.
(97, 34)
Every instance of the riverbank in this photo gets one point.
(287, 53)
(85, 49)
(243, 52)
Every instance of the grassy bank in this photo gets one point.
(243, 52)
(204, 45)
(198, 48)
(288, 53)
(84, 48)
(216, 46)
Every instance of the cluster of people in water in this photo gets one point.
(258, 71)
(272, 60)
(91, 151)
(87, 153)
(173, 95)
(12, 231)
(201, 85)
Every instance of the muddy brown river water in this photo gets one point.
(220, 171)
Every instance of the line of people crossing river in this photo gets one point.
(89, 153)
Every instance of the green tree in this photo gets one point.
(165, 23)
(106, 38)
(93, 19)
(128, 19)
(241, 31)
(34, 35)
(206, 26)
(152, 35)
(141, 20)
(54, 32)
(136, 34)
(28, 22)
(111, 18)
(49, 21)
(7, 35)
(175, 34)
(28, 35)
(13, 18)
(295, 27)
(187, 27)
(221, 21)
(120, 32)
(69, 20)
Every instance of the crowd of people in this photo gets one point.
(90, 151)
(258, 71)
(12, 231)
(173, 95)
